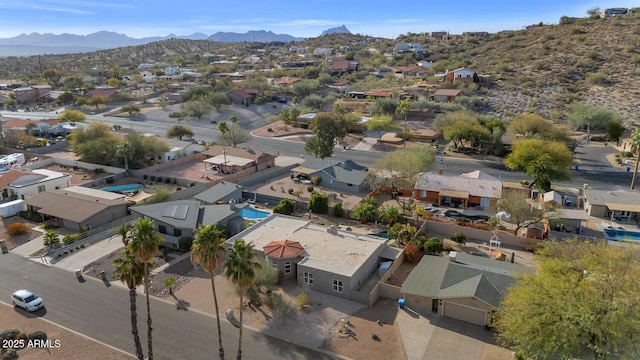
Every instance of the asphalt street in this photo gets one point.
(593, 168)
(100, 311)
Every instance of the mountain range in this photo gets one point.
(47, 43)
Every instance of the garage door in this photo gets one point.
(464, 313)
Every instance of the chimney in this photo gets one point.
(232, 204)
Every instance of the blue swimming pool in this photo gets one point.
(253, 214)
(123, 188)
(615, 234)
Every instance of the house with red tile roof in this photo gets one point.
(343, 66)
(107, 92)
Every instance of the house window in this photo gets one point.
(287, 268)
(162, 229)
(308, 278)
(423, 193)
(273, 263)
(337, 286)
(177, 232)
(41, 188)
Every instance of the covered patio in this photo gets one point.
(454, 198)
(227, 164)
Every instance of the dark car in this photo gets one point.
(281, 99)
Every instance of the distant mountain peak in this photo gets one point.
(340, 29)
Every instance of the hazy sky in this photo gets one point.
(306, 18)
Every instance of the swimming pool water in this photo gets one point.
(123, 188)
(251, 213)
(622, 234)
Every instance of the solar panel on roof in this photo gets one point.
(170, 211)
(181, 212)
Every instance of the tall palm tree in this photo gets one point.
(125, 150)
(208, 251)
(240, 268)
(144, 245)
(130, 272)
(124, 231)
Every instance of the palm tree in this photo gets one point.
(125, 150)
(240, 268)
(144, 245)
(208, 251)
(51, 239)
(131, 274)
(391, 214)
(124, 231)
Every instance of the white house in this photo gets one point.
(148, 76)
(409, 47)
(172, 70)
(425, 64)
(37, 181)
(179, 149)
(323, 52)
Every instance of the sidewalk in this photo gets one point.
(80, 258)
(366, 144)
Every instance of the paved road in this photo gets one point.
(102, 313)
(593, 168)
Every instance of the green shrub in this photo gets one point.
(38, 335)
(70, 238)
(192, 183)
(338, 211)
(17, 229)
(184, 243)
(459, 238)
(285, 207)
(319, 203)
(316, 180)
(303, 299)
(310, 188)
(109, 180)
(9, 334)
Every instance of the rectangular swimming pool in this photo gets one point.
(615, 234)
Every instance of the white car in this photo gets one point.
(27, 300)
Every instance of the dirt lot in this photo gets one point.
(78, 177)
(72, 346)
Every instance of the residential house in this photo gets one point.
(413, 71)
(228, 159)
(476, 34)
(323, 52)
(460, 75)
(325, 259)
(74, 211)
(284, 81)
(33, 182)
(177, 219)
(243, 95)
(31, 93)
(342, 176)
(426, 64)
(343, 66)
(299, 64)
(409, 47)
(619, 205)
(461, 286)
(24, 126)
(172, 70)
(178, 149)
(148, 76)
(442, 35)
(221, 193)
(383, 93)
(476, 188)
(107, 92)
(6, 179)
(300, 50)
(445, 95)
(604, 13)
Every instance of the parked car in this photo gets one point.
(281, 99)
(27, 300)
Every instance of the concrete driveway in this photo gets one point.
(443, 338)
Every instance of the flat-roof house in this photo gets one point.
(31, 93)
(408, 47)
(324, 259)
(284, 81)
(413, 71)
(343, 176)
(177, 219)
(461, 286)
(76, 211)
(179, 149)
(620, 205)
(475, 188)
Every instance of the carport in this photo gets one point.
(621, 212)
